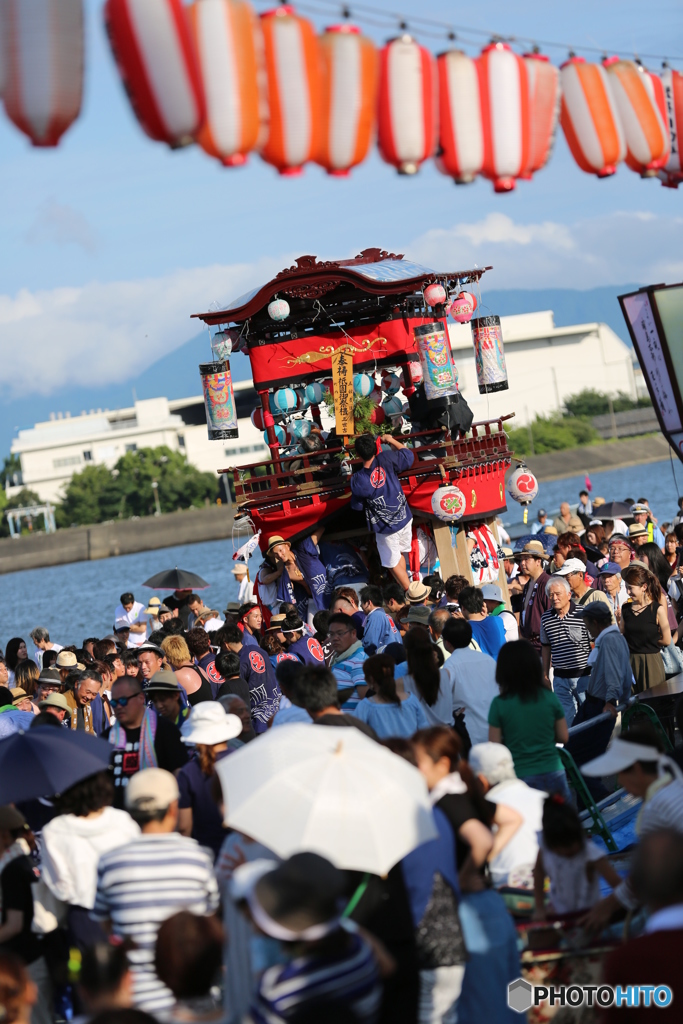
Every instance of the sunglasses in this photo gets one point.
(121, 702)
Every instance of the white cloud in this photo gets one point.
(60, 224)
(51, 340)
(613, 249)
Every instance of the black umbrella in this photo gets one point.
(613, 510)
(176, 579)
(45, 761)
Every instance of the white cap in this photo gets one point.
(493, 761)
(620, 755)
(492, 592)
(571, 565)
(209, 723)
(152, 789)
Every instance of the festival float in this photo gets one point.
(366, 341)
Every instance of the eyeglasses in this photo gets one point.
(121, 702)
(338, 633)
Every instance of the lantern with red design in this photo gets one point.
(639, 98)
(589, 117)
(349, 97)
(154, 52)
(463, 307)
(504, 93)
(406, 122)
(461, 137)
(293, 76)
(672, 82)
(43, 52)
(227, 36)
(543, 80)
(523, 487)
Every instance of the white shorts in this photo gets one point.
(392, 545)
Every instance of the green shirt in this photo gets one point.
(528, 731)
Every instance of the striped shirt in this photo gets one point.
(141, 884)
(345, 974)
(568, 639)
(347, 669)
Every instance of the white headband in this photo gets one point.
(279, 931)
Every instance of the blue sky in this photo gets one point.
(111, 241)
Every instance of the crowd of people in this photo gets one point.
(112, 891)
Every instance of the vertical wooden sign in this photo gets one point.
(342, 380)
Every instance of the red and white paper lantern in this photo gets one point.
(43, 58)
(463, 307)
(505, 115)
(672, 82)
(406, 123)
(522, 485)
(639, 97)
(543, 80)
(227, 37)
(293, 76)
(154, 51)
(349, 98)
(589, 117)
(461, 136)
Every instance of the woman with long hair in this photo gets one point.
(425, 678)
(657, 563)
(645, 625)
(455, 790)
(391, 711)
(671, 551)
(14, 653)
(528, 718)
(209, 729)
(26, 676)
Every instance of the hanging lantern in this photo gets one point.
(434, 294)
(377, 416)
(406, 120)
(328, 385)
(292, 59)
(392, 407)
(463, 307)
(278, 309)
(314, 393)
(284, 400)
(154, 52)
(642, 119)
(412, 376)
(348, 98)
(448, 503)
(281, 435)
(219, 401)
(363, 384)
(489, 356)
(390, 382)
(505, 115)
(43, 58)
(461, 137)
(543, 80)
(589, 117)
(523, 487)
(302, 402)
(257, 418)
(300, 429)
(672, 83)
(227, 37)
(435, 356)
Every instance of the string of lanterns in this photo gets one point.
(214, 73)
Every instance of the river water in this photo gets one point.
(76, 601)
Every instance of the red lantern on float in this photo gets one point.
(227, 37)
(43, 51)
(406, 120)
(349, 95)
(435, 294)
(589, 117)
(544, 107)
(463, 307)
(672, 84)
(642, 119)
(461, 137)
(505, 115)
(153, 49)
(293, 80)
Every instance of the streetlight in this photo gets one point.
(155, 488)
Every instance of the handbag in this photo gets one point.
(672, 656)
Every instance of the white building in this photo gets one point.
(53, 451)
(545, 365)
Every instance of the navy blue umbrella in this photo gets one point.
(548, 540)
(45, 761)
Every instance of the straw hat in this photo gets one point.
(417, 593)
(534, 548)
(274, 541)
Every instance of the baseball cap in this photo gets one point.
(55, 700)
(491, 592)
(620, 755)
(493, 761)
(152, 789)
(595, 610)
(610, 569)
(541, 512)
(66, 659)
(120, 625)
(569, 566)
(163, 681)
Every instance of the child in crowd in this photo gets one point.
(573, 863)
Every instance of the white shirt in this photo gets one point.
(514, 865)
(473, 678)
(38, 656)
(570, 887)
(668, 919)
(441, 711)
(133, 618)
(246, 591)
(510, 626)
(212, 624)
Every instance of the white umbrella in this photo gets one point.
(329, 790)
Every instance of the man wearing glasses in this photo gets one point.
(140, 738)
(347, 660)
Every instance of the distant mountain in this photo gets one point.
(176, 375)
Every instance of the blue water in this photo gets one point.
(76, 601)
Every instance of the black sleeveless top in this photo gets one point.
(641, 631)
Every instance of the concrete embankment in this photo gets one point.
(121, 537)
(596, 457)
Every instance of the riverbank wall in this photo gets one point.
(120, 537)
(594, 458)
